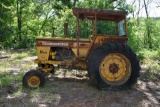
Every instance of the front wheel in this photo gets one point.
(33, 79)
(113, 64)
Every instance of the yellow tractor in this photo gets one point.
(107, 58)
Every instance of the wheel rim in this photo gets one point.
(115, 69)
(33, 81)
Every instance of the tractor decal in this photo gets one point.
(54, 44)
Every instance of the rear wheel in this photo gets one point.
(115, 69)
(113, 64)
(33, 79)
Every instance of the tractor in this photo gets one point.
(107, 58)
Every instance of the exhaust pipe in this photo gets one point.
(65, 30)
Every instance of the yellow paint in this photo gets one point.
(53, 54)
(33, 81)
(105, 69)
(75, 51)
(49, 62)
(64, 39)
(43, 53)
(123, 72)
(82, 52)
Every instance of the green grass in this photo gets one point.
(33, 52)
(5, 80)
(149, 54)
(17, 60)
(8, 78)
(153, 68)
(4, 65)
(13, 67)
(20, 56)
(68, 90)
(151, 58)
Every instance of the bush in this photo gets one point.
(148, 54)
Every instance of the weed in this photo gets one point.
(148, 54)
(153, 68)
(20, 56)
(33, 52)
(8, 78)
(5, 80)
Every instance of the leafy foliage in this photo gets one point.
(23, 20)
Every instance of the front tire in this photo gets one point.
(113, 64)
(33, 79)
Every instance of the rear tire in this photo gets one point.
(113, 65)
(33, 79)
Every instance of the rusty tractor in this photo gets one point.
(107, 58)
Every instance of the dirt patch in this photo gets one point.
(70, 89)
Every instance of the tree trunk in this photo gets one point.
(133, 11)
(74, 3)
(44, 22)
(19, 19)
(147, 25)
(158, 4)
(138, 22)
(146, 9)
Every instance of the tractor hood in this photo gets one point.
(61, 39)
(61, 42)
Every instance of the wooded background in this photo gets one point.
(21, 21)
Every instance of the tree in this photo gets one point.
(23, 20)
(158, 3)
(6, 18)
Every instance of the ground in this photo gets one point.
(68, 88)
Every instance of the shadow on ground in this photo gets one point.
(69, 89)
(73, 91)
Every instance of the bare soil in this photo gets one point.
(70, 88)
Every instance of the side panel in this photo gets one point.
(43, 52)
(82, 52)
(84, 45)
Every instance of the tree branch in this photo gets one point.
(142, 7)
(117, 4)
(146, 8)
(158, 4)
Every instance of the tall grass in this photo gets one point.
(151, 59)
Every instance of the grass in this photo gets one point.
(63, 91)
(17, 63)
(149, 54)
(5, 80)
(151, 60)
(24, 54)
(9, 78)
(13, 67)
(20, 56)
(153, 68)
(4, 65)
